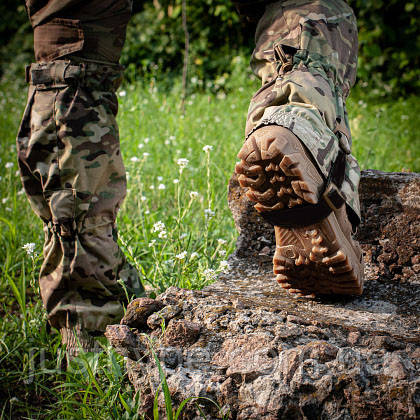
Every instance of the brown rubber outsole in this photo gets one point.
(311, 260)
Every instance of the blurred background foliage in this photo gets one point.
(389, 38)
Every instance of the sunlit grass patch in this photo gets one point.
(385, 134)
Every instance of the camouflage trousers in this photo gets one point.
(74, 177)
(306, 56)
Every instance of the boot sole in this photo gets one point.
(310, 260)
(317, 259)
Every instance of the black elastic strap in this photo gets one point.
(298, 217)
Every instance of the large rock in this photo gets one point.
(259, 353)
(389, 233)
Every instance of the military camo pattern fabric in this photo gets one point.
(306, 56)
(74, 177)
(93, 29)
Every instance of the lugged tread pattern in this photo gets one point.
(313, 260)
(308, 262)
(277, 172)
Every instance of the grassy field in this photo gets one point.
(174, 226)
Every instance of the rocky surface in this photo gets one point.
(259, 353)
(389, 233)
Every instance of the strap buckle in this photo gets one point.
(282, 57)
(333, 197)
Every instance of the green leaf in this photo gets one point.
(409, 7)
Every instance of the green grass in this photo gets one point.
(154, 136)
(384, 134)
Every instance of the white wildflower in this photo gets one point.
(8, 209)
(176, 181)
(8, 165)
(209, 273)
(146, 140)
(134, 159)
(194, 255)
(123, 93)
(162, 234)
(167, 142)
(17, 173)
(183, 235)
(159, 178)
(362, 104)
(224, 265)
(152, 187)
(21, 191)
(209, 213)
(194, 194)
(29, 248)
(221, 241)
(147, 212)
(140, 146)
(222, 252)
(143, 198)
(207, 148)
(182, 162)
(4, 200)
(158, 226)
(181, 256)
(161, 187)
(152, 243)
(145, 154)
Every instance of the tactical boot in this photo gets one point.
(314, 254)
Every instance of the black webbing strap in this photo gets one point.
(331, 199)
